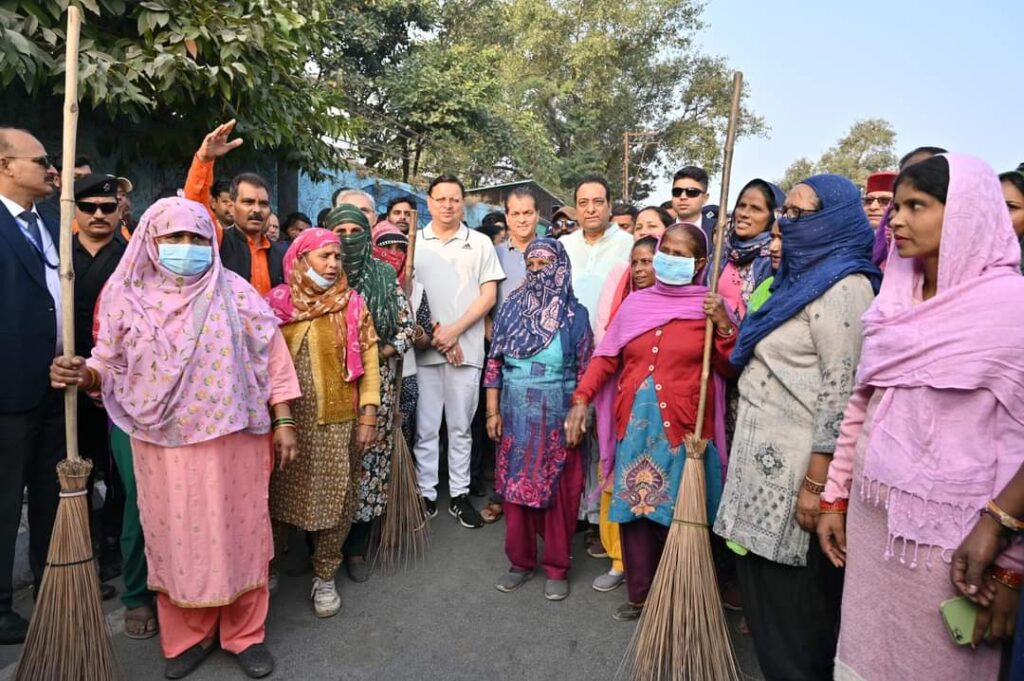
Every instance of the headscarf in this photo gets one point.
(880, 248)
(754, 251)
(299, 299)
(936, 441)
(186, 359)
(542, 305)
(820, 249)
(384, 234)
(374, 280)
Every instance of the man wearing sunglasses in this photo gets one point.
(878, 195)
(689, 194)
(96, 249)
(31, 414)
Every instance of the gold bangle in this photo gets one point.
(94, 379)
(812, 486)
(368, 421)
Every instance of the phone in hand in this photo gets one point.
(960, 615)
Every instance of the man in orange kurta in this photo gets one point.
(244, 248)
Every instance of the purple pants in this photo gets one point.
(642, 544)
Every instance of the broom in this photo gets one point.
(404, 532)
(68, 637)
(682, 633)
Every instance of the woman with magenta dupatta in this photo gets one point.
(191, 364)
(934, 431)
(798, 353)
(657, 339)
(542, 342)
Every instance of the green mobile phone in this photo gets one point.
(959, 614)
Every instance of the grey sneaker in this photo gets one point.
(512, 580)
(627, 612)
(556, 589)
(609, 581)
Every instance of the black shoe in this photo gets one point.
(431, 507)
(181, 666)
(477, 489)
(357, 569)
(256, 661)
(108, 591)
(462, 510)
(13, 628)
(627, 612)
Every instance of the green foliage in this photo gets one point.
(189, 65)
(869, 146)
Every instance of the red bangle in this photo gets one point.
(580, 402)
(837, 506)
(1008, 578)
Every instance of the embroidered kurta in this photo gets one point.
(792, 395)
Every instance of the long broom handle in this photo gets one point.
(410, 253)
(709, 328)
(67, 215)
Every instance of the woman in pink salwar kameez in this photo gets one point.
(190, 363)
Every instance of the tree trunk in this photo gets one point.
(287, 185)
(405, 160)
(416, 160)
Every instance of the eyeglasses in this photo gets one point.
(883, 201)
(42, 161)
(793, 214)
(90, 207)
(565, 223)
(691, 192)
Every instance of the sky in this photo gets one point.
(943, 72)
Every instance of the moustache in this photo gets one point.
(256, 216)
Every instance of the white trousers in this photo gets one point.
(453, 392)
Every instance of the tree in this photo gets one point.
(869, 146)
(177, 67)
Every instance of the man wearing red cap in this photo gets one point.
(878, 195)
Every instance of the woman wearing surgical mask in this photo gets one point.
(656, 339)
(334, 346)
(798, 354)
(191, 365)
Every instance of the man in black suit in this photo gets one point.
(31, 413)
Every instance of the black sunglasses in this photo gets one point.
(43, 161)
(90, 207)
(692, 192)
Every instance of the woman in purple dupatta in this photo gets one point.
(542, 342)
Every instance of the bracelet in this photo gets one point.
(1009, 578)
(94, 379)
(421, 334)
(279, 426)
(493, 414)
(732, 331)
(579, 402)
(283, 421)
(1002, 517)
(368, 421)
(837, 506)
(813, 486)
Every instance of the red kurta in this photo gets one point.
(673, 354)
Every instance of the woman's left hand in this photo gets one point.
(286, 444)
(973, 557)
(364, 437)
(997, 621)
(714, 308)
(808, 506)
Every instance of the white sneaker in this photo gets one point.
(326, 600)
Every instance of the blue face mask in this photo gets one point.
(322, 283)
(674, 270)
(187, 260)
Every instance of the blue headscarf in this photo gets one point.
(543, 305)
(818, 250)
(754, 251)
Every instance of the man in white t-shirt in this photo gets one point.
(459, 270)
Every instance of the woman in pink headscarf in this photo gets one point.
(191, 365)
(934, 430)
(332, 340)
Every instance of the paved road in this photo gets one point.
(443, 620)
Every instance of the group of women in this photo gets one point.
(872, 486)
(199, 370)
(875, 431)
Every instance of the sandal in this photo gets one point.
(492, 513)
(140, 623)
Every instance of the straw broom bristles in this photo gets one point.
(68, 638)
(683, 633)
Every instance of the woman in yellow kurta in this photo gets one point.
(334, 345)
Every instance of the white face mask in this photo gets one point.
(322, 282)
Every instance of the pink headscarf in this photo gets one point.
(299, 299)
(949, 430)
(185, 359)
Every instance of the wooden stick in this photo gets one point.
(410, 253)
(67, 216)
(723, 211)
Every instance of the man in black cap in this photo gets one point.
(96, 250)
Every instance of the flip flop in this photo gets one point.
(145, 620)
(492, 513)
